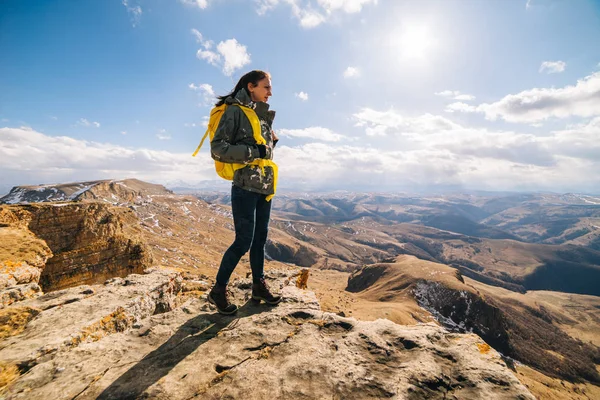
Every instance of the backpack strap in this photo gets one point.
(213, 122)
(255, 122)
(201, 142)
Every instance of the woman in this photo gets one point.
(253, 184)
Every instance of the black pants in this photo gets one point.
(251, 214)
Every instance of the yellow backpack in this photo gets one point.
(226, 170)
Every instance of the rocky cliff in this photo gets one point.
(141, 337)
(69, 244)
(23, 257)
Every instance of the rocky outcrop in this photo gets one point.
(109, 342)
(22, 258)
(83, 243)
(71, 317)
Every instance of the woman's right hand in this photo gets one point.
(262, 150)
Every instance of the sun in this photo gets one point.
(414, 41)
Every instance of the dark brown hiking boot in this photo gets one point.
(260, 291)
(219, 296)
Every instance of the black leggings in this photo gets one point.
(251, 214)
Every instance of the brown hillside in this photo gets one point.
(511, 323)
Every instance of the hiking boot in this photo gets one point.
(260, 291)
(219, 296)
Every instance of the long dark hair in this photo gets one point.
(251, 77)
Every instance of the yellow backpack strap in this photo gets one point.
(257, 133)
(275, 178)
(256, 130)
(201, 142)
(213, 123)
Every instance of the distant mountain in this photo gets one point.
(551, 220)
(182, 187)
(493, 239)
(511, 264)
(110, 191)
(535, 218)
(345, 231)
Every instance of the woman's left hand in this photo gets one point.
(274, 135)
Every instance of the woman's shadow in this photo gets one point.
(191, 335)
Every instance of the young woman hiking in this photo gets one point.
(254, 182)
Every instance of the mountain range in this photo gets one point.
(522, 271)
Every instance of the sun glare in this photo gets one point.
(414, 41)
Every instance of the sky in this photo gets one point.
(370, 95)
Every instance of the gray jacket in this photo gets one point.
(234, 143)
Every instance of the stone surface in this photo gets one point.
(291, 351)
(74, 316)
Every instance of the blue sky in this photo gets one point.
(370, 94)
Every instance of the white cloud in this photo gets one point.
(134, 11)
(202, 4)
(579, 141)
(447, 93)
(163, 135)
(528, 4)
(86, 123)
(552, 67)
(349, 6)
(456, 95)
(382, 123)
(203, 123)
(266, 5)
(534, 105)
(435, 152)
(302, 96)
(234, 54)
(314, 132)
(5, 120)
(351, 72)
(461, 107)
(198, 35)
(210, 56)
(363, 168)
(64, 159)
(53, 117)
(307, 16)
(123, 132)
(230, 55)
(465, 97)
(206, 91)
(310, 16)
